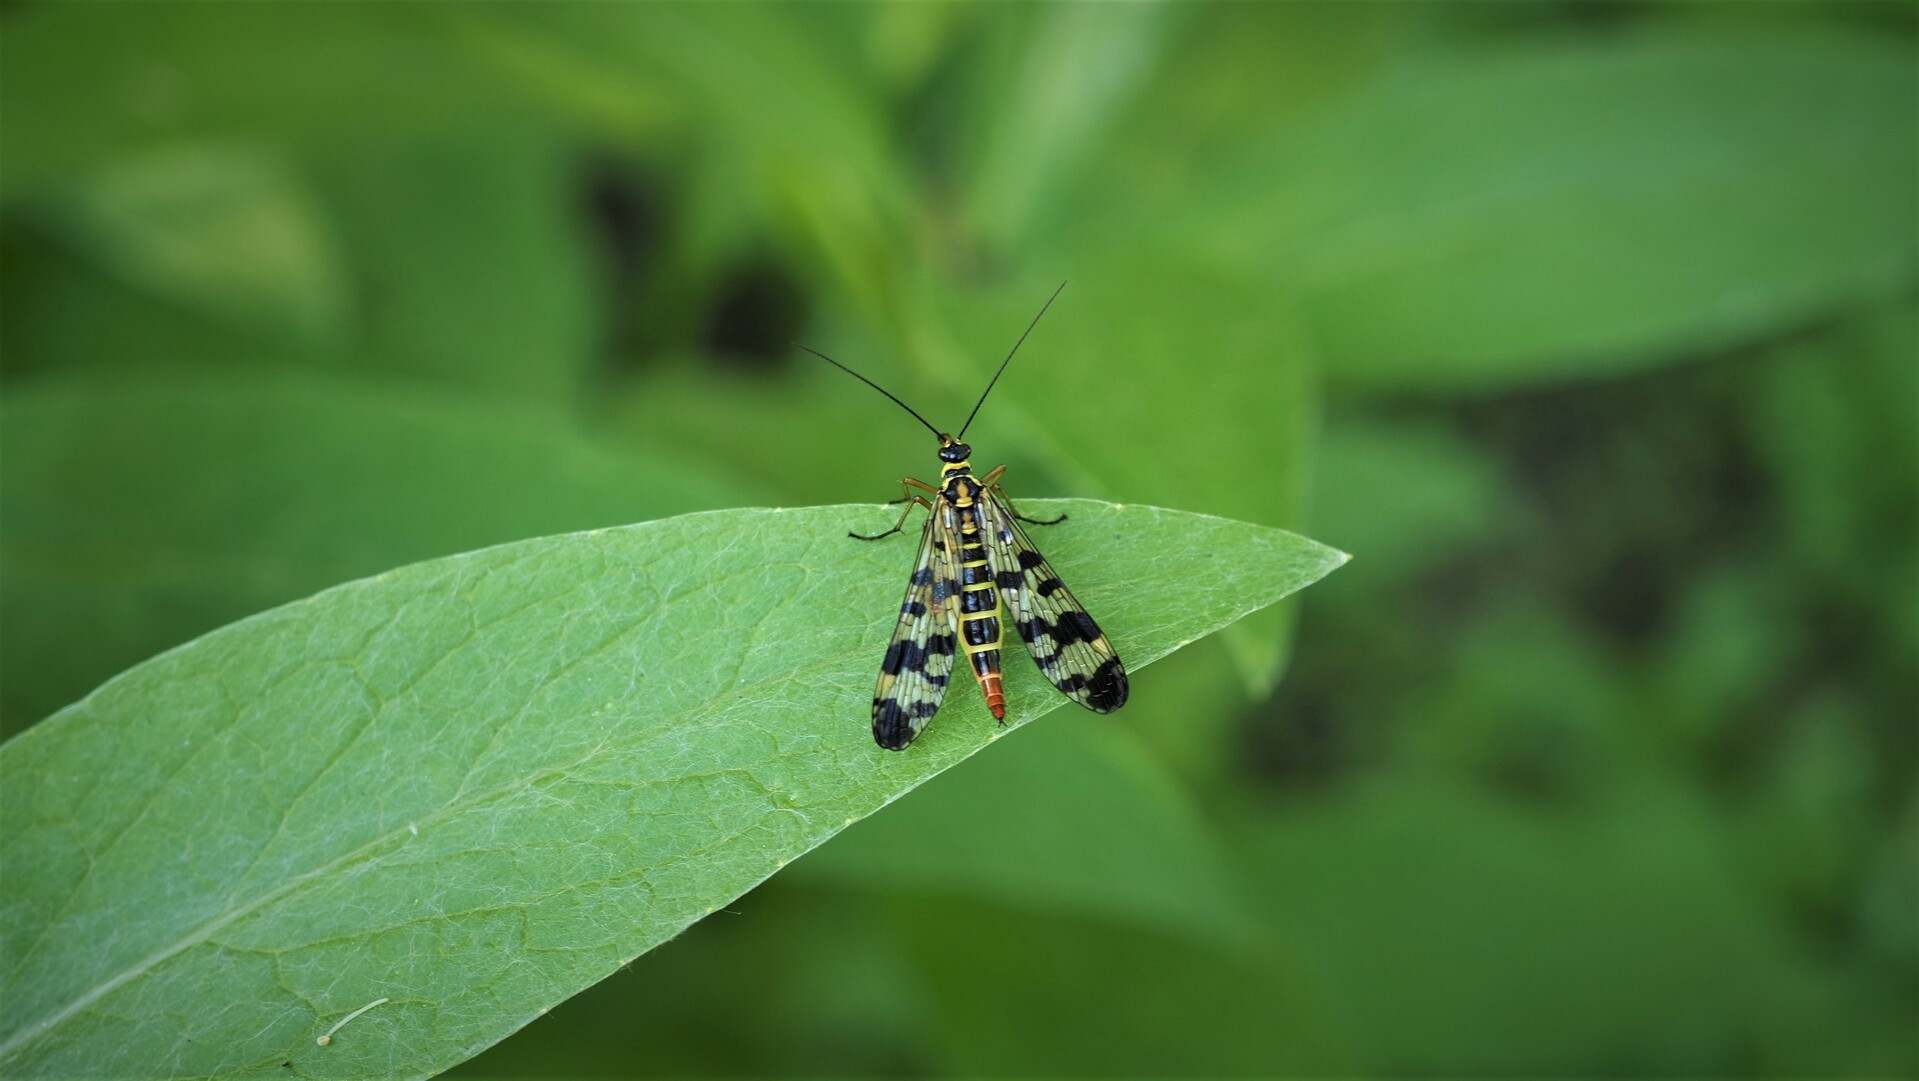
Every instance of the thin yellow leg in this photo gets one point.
(991, 480)
(907, 484)
(912, 501)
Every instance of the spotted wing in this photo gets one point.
(919, 660)
(1063, 640)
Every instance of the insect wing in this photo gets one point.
(919, 660)
(1063, 640)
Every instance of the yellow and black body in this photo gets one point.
(975, 558)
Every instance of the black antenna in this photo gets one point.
(875, 386)
(1008, 360)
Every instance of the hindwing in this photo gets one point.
(1063, 640)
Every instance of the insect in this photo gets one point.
(974, 555)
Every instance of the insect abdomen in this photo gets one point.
(979, 607)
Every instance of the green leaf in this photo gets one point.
(1197, 728)
(221, 228)
(836, 974)
(1486, 218)
(1068, 73)
(88, 85)
(456, 258)
(137, 512)
(1016, 992)
(472, 257)
(474, 786)
(1406, 889)
(61, 309)
(341, 184)
(1077, 819)
(1409, 492)
(771, 103)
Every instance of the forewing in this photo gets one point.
(1064, 641)
(919, 660)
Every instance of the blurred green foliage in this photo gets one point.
(1589, 329)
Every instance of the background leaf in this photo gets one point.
(1429, 861)
(141, 511)
(1050, 87)
(1479, 218)
(805, 156)
(219, 228)
(1227, 1012)
(473, 260)
(1084, 820)
(477, 785)
(232, 256)
(89, 85)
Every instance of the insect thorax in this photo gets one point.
(957, 484)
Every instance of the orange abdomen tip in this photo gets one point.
(995, 699)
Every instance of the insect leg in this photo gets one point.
(994, 476)
(907, 484)
(911, 503)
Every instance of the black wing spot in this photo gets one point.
(1050, 587)
(1029, 558)
(1106, 691)
(913, 608)
(1073, 626)
(921, 578)
(904, 655)
(1011, 581)
(940, 645)
(891, 729)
